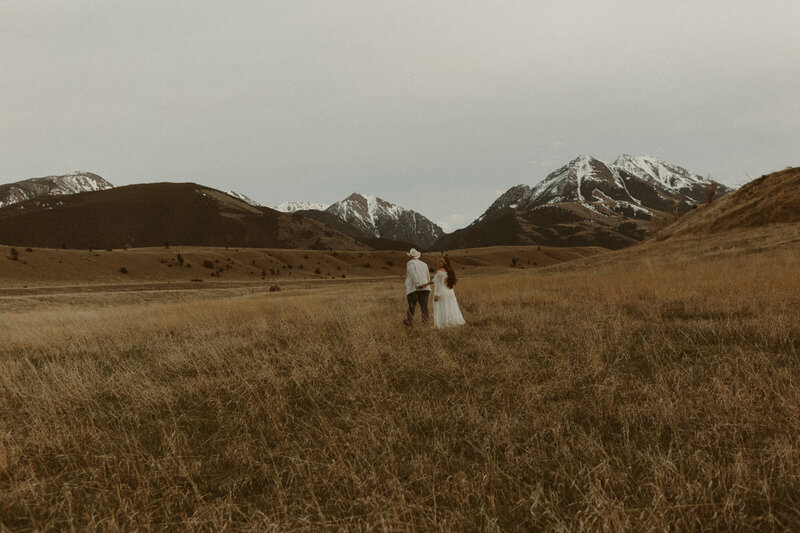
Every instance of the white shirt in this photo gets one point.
(416, 275)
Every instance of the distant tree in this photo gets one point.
(123, 270)
(180, 259)
(14, 254)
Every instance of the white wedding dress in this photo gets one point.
(445, 312)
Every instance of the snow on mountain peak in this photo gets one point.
(291, 207)
(242, 197)
(72, 183)
(375, 216)
(635, 180)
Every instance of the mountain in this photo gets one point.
(376, 243)
(76, 182)
(156, 213)
(381, 219)
(588, 202)
(242, 197)
(293, 207)
(771, 199)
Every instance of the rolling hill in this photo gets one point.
(771, 199)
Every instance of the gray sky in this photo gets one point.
(435, 106)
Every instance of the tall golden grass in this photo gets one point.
(639, 395)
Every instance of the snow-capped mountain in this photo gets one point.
(76, 182)
(377, 217)
(292, 207)
(242, 197)
(637, 183)
(588, 202)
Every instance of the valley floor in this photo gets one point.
(651, 388)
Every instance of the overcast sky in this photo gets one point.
(435, 106)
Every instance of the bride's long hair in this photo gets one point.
(451, 274)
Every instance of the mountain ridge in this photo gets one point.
(56, 185)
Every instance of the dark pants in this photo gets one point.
(421, 298)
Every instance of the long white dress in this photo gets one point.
(445, 312)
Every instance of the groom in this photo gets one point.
(418, 283)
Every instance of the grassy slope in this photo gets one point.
(641, 389)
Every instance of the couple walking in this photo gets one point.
(418, 288)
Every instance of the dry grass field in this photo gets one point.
(652, 388)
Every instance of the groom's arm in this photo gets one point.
(413, 272)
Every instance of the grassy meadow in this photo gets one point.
(631, 391)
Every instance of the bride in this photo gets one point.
(445, 306)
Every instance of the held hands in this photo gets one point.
(435, 298)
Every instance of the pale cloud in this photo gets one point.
(452, 222)
(432, 105)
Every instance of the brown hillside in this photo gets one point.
(152, 214)
(563, 224)
(770, 199)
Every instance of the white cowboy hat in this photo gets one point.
(414, 253)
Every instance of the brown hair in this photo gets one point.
(451, 274)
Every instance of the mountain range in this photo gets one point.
(155, 214)
(585, 202)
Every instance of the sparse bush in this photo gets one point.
(711, 191)
(390, 263)
(14, 255)
(208, 264)
(317, 271)
(274, 288)
(28, 249)
(180, 259)
(123, 270)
